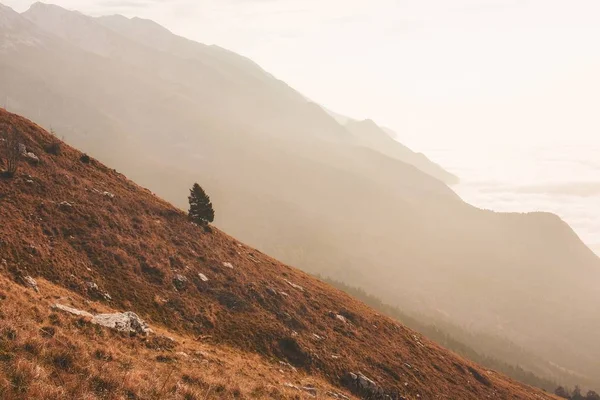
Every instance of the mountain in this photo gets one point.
(288, 179)
(227, 321)
(370, 135)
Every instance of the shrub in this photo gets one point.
(12, 149)
(85, 159)
(55, 146)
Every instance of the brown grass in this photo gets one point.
(132, 246)
(48, 355)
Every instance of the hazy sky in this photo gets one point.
(434, 70)
(505, 93)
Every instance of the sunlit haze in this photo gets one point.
(452, 78)
(380, 199)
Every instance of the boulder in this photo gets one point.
(127, 322)
(203, 277)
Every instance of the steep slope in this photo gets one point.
(372, 136)
(288, 179)
(80, 227)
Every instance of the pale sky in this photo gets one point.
(434, 70)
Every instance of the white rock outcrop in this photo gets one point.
(127, 322)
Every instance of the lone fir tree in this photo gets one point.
(201, 209)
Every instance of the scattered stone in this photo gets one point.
(31, 283)
(317, 337)
(272, 291)
(31, 157)
(95, 291)
(337, 395)
(72, 311)
(228, 265)
(180, 281)
(298, 287)
(308, 389)
(361, 383)
(203, 277)
(65, 205)
(338, 317)
(29, 182)
(109, 195)
(288, 366)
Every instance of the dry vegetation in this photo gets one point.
(50, 355)
(69, 223)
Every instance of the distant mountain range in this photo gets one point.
(341, 200)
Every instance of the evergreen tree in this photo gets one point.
(201, 209)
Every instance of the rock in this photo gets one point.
(310, 390)
(272, 291)
(127, 322)
(72, 311)
(362, 384)
(180, 281)
(288, 366)
(298, 287)
(337, 395)
(31, 157)
(65, 205)
(228, 265)
(339, 317)
(31, 283)
(109, 195)
(22, 148)
(203, 277)
(95, 291)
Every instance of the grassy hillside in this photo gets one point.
(82, 228)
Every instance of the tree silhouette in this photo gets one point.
(201, 210)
